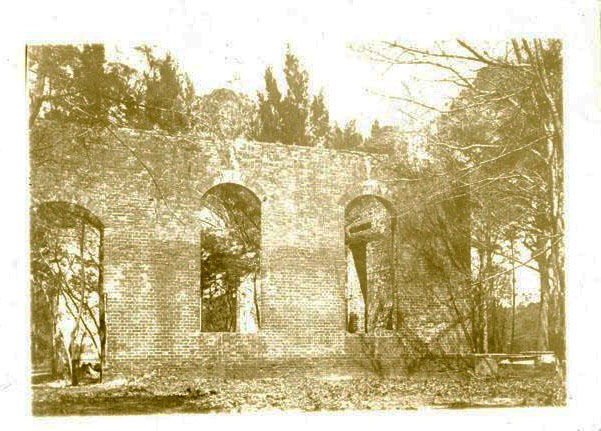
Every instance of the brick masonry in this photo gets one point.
(152, 252)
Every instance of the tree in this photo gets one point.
(169, 95)
(225, 115)
(69, 83)
(512, 238)
(298, 119)
(387, 140)
(269, 108)
(319, 120)
(73, 84)
(295, 106)
(347, 139)
(224, 265)
(505, 133)
(294, 119)
(375, 130)
(523, 179)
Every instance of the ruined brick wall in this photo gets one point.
(151, 242)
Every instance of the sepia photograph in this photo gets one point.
(264, 214)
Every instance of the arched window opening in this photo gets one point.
(369, 230)
(68, 327)
(230, 260)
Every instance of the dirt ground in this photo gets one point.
(173, 394)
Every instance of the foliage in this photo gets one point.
(70, 83)
(297, 119)
(501, 139)
(320, 120)
(387, 140)
(67, 311)
(75, 84)
(269, 107)
(230, 254)
(285, 120)
(168, 95)
(294, 109)
(223, 266)
(225, 115)
(347, 139)
(435, 253)
(503, 126)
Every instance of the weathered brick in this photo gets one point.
(152, 250)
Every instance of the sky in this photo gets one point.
(238, 63)
(230, 45)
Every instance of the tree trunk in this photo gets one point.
(483, 298)
(36, 99)
(256, 301)
(558, 250)
(101, 304)
(487, 290)
(543, 315)
(560, 322)
(555, 263)
(484, 324)
(56, 344)
(74, 349)
(513, 297)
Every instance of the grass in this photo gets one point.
(176, 394)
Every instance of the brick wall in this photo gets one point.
(152, 252)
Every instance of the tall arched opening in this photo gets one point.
(369, 245)
(230, 259)
(68, 304)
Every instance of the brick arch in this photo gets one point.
(77, 210)
(68, 214)
(236, 177)
(242, 310)
(77, 199)
(369, 188)
(365, 253)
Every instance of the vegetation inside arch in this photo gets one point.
(67, 300)
(230, 260)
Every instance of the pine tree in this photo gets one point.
(92, 77)
(269, 110)
(347, 139)
(320, 120)
(69, 83)
(295, 106)
(168, 95)
(77, 84)
(376, 130)
(336, 137)
(352, 137)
